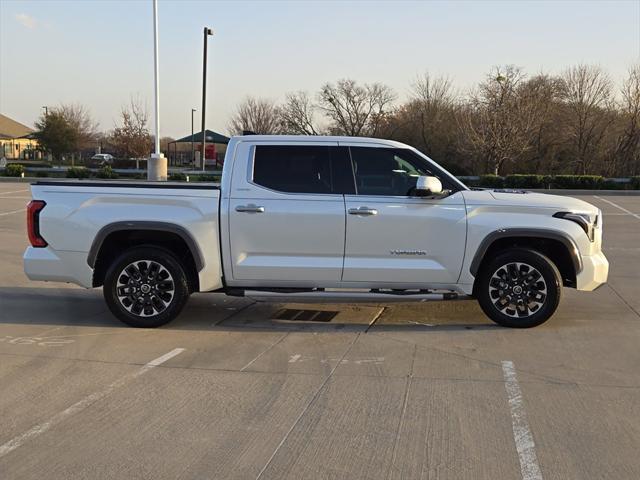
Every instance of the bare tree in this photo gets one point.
(586, 94)
(355, 110)
(258, 115)
(543, 94)
(499, 119)
(297, 115)
(80, 121)
(627, 152)
(132, 139)
(433, 104)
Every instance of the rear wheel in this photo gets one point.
(520, 288)
(146, 287)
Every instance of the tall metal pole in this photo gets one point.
(207, 32)
(157, 167)
(193, 154)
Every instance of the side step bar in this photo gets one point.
(351, 296)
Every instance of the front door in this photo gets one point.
(287, 223)
(394, 238)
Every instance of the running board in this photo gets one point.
(338, 295)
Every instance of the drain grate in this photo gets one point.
(305, 315)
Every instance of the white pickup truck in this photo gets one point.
(315, 217)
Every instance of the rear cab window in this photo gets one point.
(313, 169)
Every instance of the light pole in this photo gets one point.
(207, 32)
(193, 154)
(157, 164)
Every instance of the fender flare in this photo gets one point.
(107, 230)
(558, 235)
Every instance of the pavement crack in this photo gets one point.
(307, 407)
(405, 402)
(623, 300)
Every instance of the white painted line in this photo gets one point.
(87, 401)
(295, 358)
(13, 191)
(618, 206)
(376, 316)
(521, 432)
(24, 210)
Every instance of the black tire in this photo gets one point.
(511, 280)
(146, 296)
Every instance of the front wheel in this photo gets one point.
(146, 287)
(519, 288)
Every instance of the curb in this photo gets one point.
(566, 192)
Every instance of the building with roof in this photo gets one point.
(17, 141)
(180, 151)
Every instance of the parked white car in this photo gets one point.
(315, 217)
(103, 159)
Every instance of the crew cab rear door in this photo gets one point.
(394, 238)
(287, 215)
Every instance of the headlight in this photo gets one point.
(587, 221)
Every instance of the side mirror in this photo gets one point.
(428, 186)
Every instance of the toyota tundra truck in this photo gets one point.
(315, 217)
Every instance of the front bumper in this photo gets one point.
(47, 264)
(595, 270)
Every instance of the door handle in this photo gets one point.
(250, 208)
(363, 211)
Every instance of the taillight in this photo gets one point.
(33, 223)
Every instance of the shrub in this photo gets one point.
(524, 181)
(592, 182)
(611, 185)
(178, 177)
(106, 172)
(77, 172)
(14, 170)
(491, 181)
(205, 178)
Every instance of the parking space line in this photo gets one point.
(628, 212)
(375, 318)
(87, 401)
(11, 213)
(13, 191)
(521, 432)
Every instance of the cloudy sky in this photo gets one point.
(100, 53)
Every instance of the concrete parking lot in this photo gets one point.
(381, 391)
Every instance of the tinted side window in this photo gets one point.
(302, 169)
(386, 171)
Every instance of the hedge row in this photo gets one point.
(580, 182)
(585, 182)
(106, 172)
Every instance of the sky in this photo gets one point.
(99, 53)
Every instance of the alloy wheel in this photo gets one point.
(145, 288)
(517, 289)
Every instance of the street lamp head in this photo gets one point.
(208, 31)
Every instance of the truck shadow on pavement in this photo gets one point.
(217, 312)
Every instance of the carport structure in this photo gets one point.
(184, 148)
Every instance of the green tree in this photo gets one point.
(55, 134)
